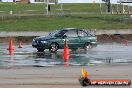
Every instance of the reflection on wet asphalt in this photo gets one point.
(102, 54)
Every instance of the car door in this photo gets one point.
(83, 36)
(72, 38)
(58, 38)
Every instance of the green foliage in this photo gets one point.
(31, 17)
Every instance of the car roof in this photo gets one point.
(71, 29)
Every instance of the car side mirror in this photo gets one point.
(64, 37)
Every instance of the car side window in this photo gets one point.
(60, 33)
(81, 33)
(71, 33)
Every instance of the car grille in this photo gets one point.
(36, 41)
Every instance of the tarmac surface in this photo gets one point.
(61, 77)
(27, 68)
(105, 53)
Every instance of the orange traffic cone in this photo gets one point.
(10, 52)
(10, 45)
(20, 44)
(66, 63)
(66, 58)
(126, 42)
(66, 51)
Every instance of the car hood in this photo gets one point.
(43, 38)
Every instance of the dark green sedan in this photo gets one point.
(76, 38)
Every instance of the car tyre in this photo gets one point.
(87, 46)
(40, 49)
(53, 47)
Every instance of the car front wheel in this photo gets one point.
(53, 47)
(40, 49)
(87, 46)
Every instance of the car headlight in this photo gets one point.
(33, 40)
(43, 41)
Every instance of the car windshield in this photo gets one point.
(57, 33)
(52, 34)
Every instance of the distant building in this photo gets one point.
(57, 1)
(44, 1)
(31, 1)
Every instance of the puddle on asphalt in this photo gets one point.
(102, 54)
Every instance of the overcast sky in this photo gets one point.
(77, 1)
(80, 1)
(86, 1)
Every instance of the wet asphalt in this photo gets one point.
(103, 53)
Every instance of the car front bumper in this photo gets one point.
(39, 45)
(94, 43)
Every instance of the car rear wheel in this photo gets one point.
(40, 49)
(53, 47)
(87, 46)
